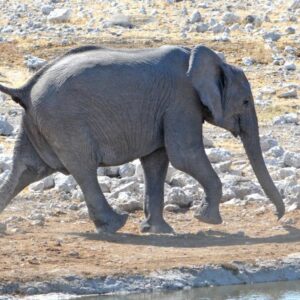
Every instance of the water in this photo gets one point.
(265, 291)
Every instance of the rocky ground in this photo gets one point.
(46, 229)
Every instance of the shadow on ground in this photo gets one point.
(198, 240)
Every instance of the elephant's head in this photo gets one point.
(226, 96)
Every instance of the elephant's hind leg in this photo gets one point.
(101, 213)
(183, 137)
(155, 167)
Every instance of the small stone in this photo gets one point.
(290, 66)
(292, 159)
(60, 15)
(34, 63)
(172, 208)
(288, 94)
(177, 196)
(223, 167)
(289, 118)
(248, 61)
(230, 18)
(202, 27)
(290, 30)
(217, 28)
(195, 17)
(295, 4)
(276, 151)
(127, 170)
(119, 20)
(127, 187)
(64, 183)
(46, 9)
(273, 36)
(208, 143)
(267, 142)
(6, 129)
(216, 155)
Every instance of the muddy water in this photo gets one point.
(267, 291)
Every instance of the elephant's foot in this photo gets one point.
(156, 227)
(208, 213)
(111, 222)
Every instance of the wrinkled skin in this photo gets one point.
(102, 107)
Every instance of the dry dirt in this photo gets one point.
(66, 245)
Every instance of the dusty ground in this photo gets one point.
(66, 245)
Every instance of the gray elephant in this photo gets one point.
(96, 106)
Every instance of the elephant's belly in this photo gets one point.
(117, 149)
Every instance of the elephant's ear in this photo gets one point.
(207, 73)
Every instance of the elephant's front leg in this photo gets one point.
(184, 144)
(155, 167)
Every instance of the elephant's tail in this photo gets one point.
(17, 94)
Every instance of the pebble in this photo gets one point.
(292, 159)
(195, 17)
(6, 129)
(59, 15)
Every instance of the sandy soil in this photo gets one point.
(66, 245)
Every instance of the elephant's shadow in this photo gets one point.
(201, 239)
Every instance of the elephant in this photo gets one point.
(96, 106)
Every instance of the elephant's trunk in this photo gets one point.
(250, 137)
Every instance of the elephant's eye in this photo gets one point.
(246, 102)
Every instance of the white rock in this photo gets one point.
(195, 17)
(294, 4)
(111, 171)
(223, 167)
(171, 173)
(118, 20)
(283, 173)
(181, 179)
(292, 159)
(227, 195)
(216, 155)
(267, 142)
(290, 118)
(202, 27)
(207, 142)
(5, 163)
(276, 151)
(292, 93)
(78, 195)
(126, 203)
(230, 18)
(127, 187)
(64, 183)
(105, 184)
(172, 208)
(273, 36)
(177, 196)
(290, 66)
(6, 128)
(42, 185)
(34, 63)
(60, 15)
(248, 61)
(255, 198)
(46, 9)
(217, 28)
(127, 170)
